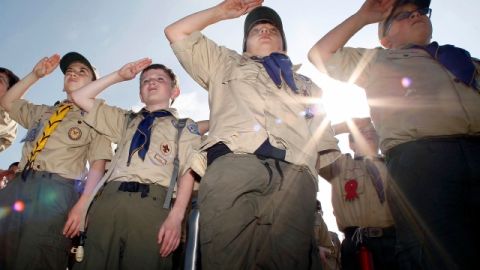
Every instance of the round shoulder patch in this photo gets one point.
(193, 128)
(74, 133)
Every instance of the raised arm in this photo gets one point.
(85, 96)
(227, 9)
(372, 11)
(44, 67)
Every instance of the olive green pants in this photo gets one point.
(123, 230)
(33, 215)
(257, 214)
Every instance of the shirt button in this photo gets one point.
(79, 122)
(38, 166)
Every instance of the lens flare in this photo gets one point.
(19, 206)
(406, 82)
(4, 211)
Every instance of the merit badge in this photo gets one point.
(193, 128)
(165, 149)
(351, 190)
(74, 133)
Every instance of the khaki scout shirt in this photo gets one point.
(69, 147)
(8, 130)
(410, 94)
(365, 210)
(157, 167)
(246, 107)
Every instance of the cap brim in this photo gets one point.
(71, 57)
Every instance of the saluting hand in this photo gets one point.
(130, 70)
(46, 65)
(376, 10)
(235, 8)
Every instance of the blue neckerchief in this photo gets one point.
(278, 65)
(141, 138)
(456, 60)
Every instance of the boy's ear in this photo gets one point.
(140, 94)
(386, 42)
(175, 92)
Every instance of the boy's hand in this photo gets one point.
(169, 234)
(72, 226)
(130, 70)
(46, 66)
(235, 8)
(374, 11)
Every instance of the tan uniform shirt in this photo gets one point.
(246, 107)
(365, 210)
(410, 94)
(8, 130)
(157, 167)
(69, 147)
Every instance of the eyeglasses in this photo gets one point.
(405, 15)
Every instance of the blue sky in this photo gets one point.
(111, 33)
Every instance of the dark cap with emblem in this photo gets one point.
(12, 78)
(399, 3)
(71, 57)
(263, 14)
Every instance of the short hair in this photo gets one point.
(16, 163)
(12, 78)
(167, 70)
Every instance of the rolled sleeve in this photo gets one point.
(107, 120)
(200, 57)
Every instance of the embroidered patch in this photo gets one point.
(160, 159)
(165, 149)
(193, 128)
(33, 132)
(74, 133)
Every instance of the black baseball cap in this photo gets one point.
(262, 14)
(71, 57)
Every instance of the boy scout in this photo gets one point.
(257, 197)
(358, 199)
(425, 104)
(140, 173)
(43, 198)
(8, 127)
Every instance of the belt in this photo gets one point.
(370, 232)
(135, 187)
(266, 150)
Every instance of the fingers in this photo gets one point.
(71, 227)
(141, 64)
(168, 241)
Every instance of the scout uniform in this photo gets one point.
(428, 119)
(361, 213)
(135, 190)
(31, 232)
(323, 239)
(8, 130)
(258, 195)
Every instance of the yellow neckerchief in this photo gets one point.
(50, 126)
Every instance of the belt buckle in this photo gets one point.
(374, 232)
